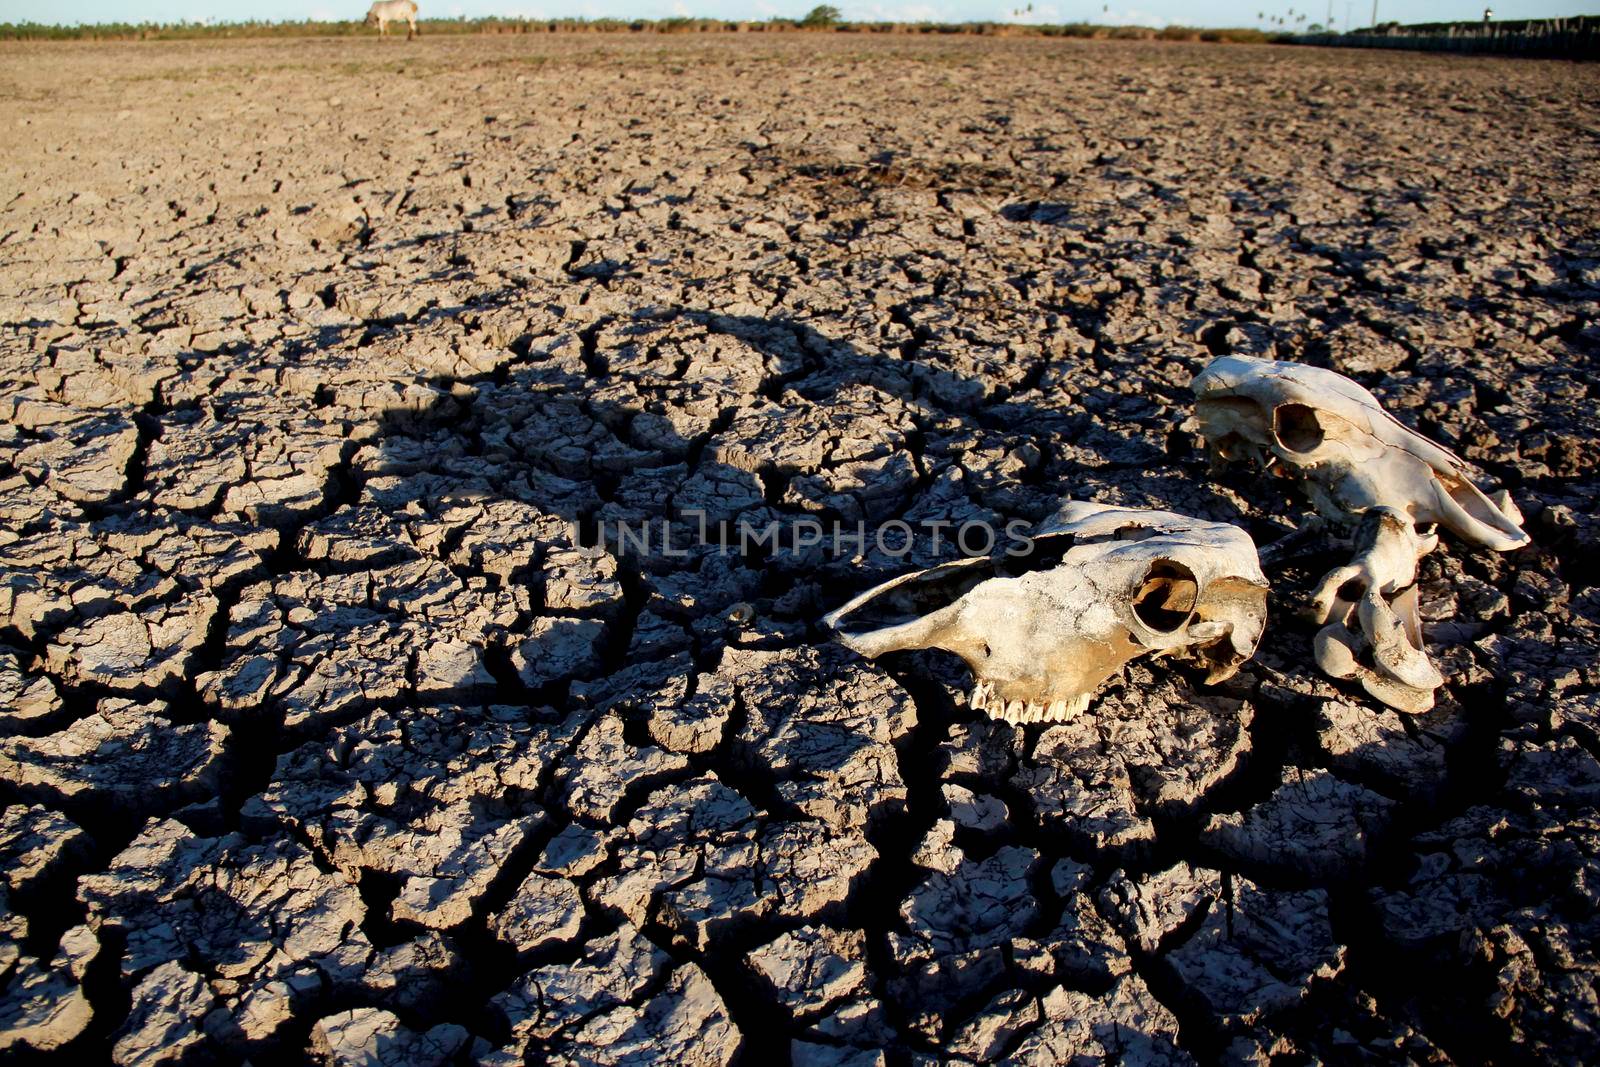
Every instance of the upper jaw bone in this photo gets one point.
(983, 699)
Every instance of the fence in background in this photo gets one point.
(1573, 38)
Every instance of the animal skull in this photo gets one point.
(1350, 454)
(1358, 465)
(1102, 586)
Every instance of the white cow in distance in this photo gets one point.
(384, 12)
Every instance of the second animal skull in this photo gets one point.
(1348, 452)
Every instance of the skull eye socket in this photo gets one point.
(1167, 596)
(1297, 427)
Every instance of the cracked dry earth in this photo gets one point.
(338, 729)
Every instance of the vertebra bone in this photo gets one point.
(1377, 591)
(1102, 586)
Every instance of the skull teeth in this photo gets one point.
(985, 699)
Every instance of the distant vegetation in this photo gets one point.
(823, 16)
(822, 19)
(1577, 38)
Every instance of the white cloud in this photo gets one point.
(1106, 14)
(1130, 16)
(904, 12)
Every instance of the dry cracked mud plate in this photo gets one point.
(343, 723)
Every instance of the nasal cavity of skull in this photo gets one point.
(1166, 597)
(1297, 427)
(1478, 506)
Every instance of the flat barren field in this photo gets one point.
(425, 467)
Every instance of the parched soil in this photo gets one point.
(339, 722)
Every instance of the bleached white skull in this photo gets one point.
(1358, 465)
(1101, 586)
(1349, 453)
(1371, 631)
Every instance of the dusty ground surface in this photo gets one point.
(332, 727)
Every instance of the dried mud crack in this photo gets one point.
(340, 718)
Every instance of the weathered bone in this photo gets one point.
(1377, 592)
(1102, 586)
(1358, 465)
(1350, 454)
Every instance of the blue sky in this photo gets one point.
(1129, 12)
